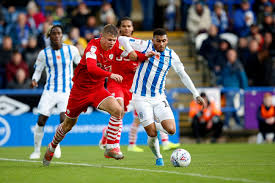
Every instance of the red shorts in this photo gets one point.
(120, 92)
(80, 99)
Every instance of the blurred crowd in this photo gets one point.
(249, 62)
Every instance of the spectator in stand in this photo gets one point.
(266, 118)
(205, 120)
(30, 53)
(5, 55)
(20, 81)
(19, 32)
(79, 17)
(256, 35)
(219, 17)
(256, 65)
(122, 8)
(268, 24)
(243, 50)
(148, 14)
(243, 19)
(106, 14)
(14, 65)
(60, 17)
(35, 18)
(220, 60)
(260, 7)
(5, 52)
(269, 44)
(232, 75)
(90, 30)
(42, 40)
(75, 39)
(210, 46)
(11, 15)
(199, 19)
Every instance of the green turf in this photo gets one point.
(210, 163)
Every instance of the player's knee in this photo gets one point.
(152, 133)
(171, 130)
(42, 120)
(118, 112)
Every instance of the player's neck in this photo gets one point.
(56, 46)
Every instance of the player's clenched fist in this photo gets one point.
(116, 77)
(34, 84)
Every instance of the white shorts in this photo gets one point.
(50, 99)
(152, 109)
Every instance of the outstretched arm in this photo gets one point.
(186, 80)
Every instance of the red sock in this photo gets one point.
(117, 141)
(133, 133)
(164, 137)
(113, 129)
(58, 137)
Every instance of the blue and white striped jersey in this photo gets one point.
(150, 76)
(59, 67)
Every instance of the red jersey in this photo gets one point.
(126, 68)
(95, 64)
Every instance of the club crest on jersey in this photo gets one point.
(68, 111)
(111, 56)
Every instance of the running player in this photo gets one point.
(88, 88)
(127, 68)
(149, 84)
(58, 60)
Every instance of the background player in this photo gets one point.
(58, 60)
(127, 68)
(88, 89)
(149, 84)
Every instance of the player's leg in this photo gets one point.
(146, 117)
(45, 106)
(60, 133)
(38, 135)
(110, 105)
(166, 144)
(57, 152)
(133, 135)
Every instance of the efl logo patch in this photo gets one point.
(111, 56)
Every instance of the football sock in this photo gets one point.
(133, 133)
(58, 137)
(38, 136)
(164, 138)
(117, 141)
(160, 128)
(112, 131)
(153, 143)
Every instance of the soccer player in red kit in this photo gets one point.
(88, 88)
(126, 68)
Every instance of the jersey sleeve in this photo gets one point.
(131, 43)
(179, 69)
(39, 65)
(76, 56)
(91, 61)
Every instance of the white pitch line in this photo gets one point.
(139, 169)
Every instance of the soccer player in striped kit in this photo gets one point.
(127, 68)
(88, 89)
(148, 87)
(58, 61)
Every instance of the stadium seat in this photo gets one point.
(231, 38)
(199, 39)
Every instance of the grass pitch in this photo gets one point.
(248, 163)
